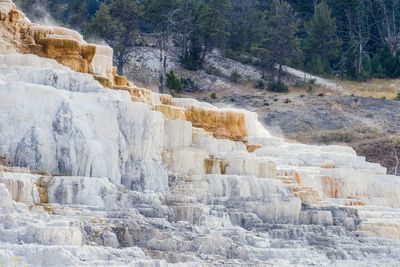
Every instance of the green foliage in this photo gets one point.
(311, 83)
(193, 51)
(213, 70)
(244, 26)
(158, 12)
(213, 96)
(117, 22)
(278, 87)
(235, 76)
(175, 94)
(237, 56)
(208, 22)
(385, 65)
(188, 84)
(322, 43)
(173, 82)
(192, 59)
(356, 39)
(279, 42)
(316, 66)
(260, 84)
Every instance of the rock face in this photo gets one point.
(370, 125)
(91, 176)
(69, 137)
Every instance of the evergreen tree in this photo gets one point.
(209, 26)
(280, 42)
(117, 22)
(347, 35)
(244, 25)
(191, 59)
(215, 25)
(162, 15)
(159, 12)
(323, 41)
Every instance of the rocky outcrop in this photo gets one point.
(64, 45)
(100, 177)
(370, 125)
(67, 137)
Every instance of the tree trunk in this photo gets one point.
(324, 57)
(360, 49)
(395, 33)
(390, 35)
(161, 72)
(163, 43)
(396, 157)
(280, 72)
(203, 56)
(185, 29)
(120, 66)
(360, 58)
(272, 72)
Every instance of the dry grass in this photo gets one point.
(375, 88)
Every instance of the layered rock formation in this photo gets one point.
(96, 177)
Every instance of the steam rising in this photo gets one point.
(37, 13)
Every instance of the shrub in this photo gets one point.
(173, 82)
(235, 76)
(213, 96)
(238, 56)
(188, 84)
(229, 53)
(397, 97)
(211, 70)
(311, 82)
(260, 84)
(192, 60)
(175, 94)
(278, 87)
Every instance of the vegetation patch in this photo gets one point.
(235, 76)
(278, 87)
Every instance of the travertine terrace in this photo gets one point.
(98, 172)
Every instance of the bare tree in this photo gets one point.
(164, 30)
(281, 40)
(389, 28)
(396, 157)
(162, 44)
(358, 35)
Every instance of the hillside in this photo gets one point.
(96, 171)
(338, 112)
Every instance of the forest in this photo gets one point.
(350, 39)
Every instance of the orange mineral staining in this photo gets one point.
(252, 148)
(68, 48)
(328, 166)
(223, 124)
(65, 46)
(332, 187)
(171, 112)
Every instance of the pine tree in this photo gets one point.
(323, 41)
(215, 25)
(191, 58)
(162, 16)
(209, 25)
(244, 25)
(117, 22)
(280, 42)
